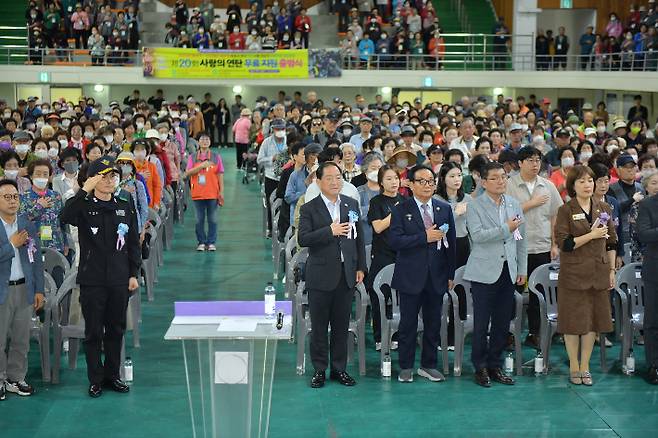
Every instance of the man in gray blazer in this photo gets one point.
(21, 290)
(497, 262)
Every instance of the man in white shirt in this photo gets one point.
(21, 290)
(466, 141)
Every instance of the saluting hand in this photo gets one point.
(91, 183)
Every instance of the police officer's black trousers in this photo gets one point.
(104, 310)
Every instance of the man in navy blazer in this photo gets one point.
(423, 235)
(21, 290)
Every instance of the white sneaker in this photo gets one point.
(212, 247)
(201, 247)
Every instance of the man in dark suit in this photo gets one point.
(647, 229)
(424, 270)
(329, 227)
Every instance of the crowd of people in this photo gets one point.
(526, 185)
(284, 25)
(627, 46)
(427, 184)
(408, 37)
(94, 25)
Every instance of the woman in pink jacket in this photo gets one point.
(80, 23)
(241, 134)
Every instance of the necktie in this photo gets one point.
(427, 218)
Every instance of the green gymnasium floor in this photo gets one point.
(617, 405)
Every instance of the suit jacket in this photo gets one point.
(492, 243)
(415, 258)
(647, 231)
(323, 267)
(586, 267)
(33, 271)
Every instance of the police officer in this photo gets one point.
(107, 274)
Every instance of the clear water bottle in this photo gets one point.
(539, 364)
(128, 370)
(630, 363)
(386, 367)
(270, 301)
(509, 364)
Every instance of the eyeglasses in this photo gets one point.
(425, 182)
(533, 160)
(14, 197)
(498, 178)
(317, 124)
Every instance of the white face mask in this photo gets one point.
(347, 132)
(600, 129)
(88, 134)
(401, 162)
(109, 138)
(40, 183)
(183, 116)
(139, 126)
(63, 143)
(433, 121)
(41, 153)
(279, 133)
(11, 174)
(39, 124)
(66, 123)
(567, 162)
(53, 152)
(584, 156)
(126, 169)
(164, 137)
(22, 148)
(140, 155)
(524, 127)
(372, 175)
(611, 148)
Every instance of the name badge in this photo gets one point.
(46, 232)
(202, 179)
(120, 212)
(578, 217)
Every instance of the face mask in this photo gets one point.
(164, 137)
(88, 134)
(140, 155)
(568, 162)
(254, 33)
(109, 138)
(41, 153)
(584, 156)
(635, 130)
(11, 174)
(71, 167)
(139, 126)
(401, 162)
(433, 121)
(600, 129)
(611, 148)
(183, 116)
(23, 148)
(524, 127)
(63, 143)
(280, 134)
(40, 183)
(7, 115)
(66, 123)
(426, 145)
(39, 124)
(372, 176)
(126, 169)
(538, 139)
(53, 152)
(347, 132)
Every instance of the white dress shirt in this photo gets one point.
(429, 208)
(16, 267)
(334, 212)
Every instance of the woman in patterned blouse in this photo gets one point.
(42, 206)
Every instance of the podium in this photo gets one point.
(229, 353)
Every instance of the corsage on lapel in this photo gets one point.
(122, 230)
(517, 233)
(353, 217)
(31, 249)
(444, 241)
(408, 216)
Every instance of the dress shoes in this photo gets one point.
(342, 377)
(497, 375)
(652, 376)
(482, 378)
(95, 390)
(317, 381)
(116, 385)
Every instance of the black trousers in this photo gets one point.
(104, 309)
(535, 261)
(223, 135)
(330, 308)
(430, 301)
(270, 186)
(240, 148)
(491, 303)
(651, 321)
